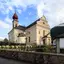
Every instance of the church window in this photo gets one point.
(43, 32)
(26, 39)
(44, 42)
(39, 32)
(49, 40)
(43, 22)
(29, 32)
(29, 39)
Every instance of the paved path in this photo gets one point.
(8, 61)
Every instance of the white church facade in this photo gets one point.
(38, 32)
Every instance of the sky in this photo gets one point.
(28, 11)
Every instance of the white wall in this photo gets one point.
(16, 32)
(61, 42)
(11, 36)
(31, 32)
(22, 40)
(40, 27)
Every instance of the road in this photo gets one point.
(9, 61)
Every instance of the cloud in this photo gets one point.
(40, 8)
(1, 38)
(60, 15)
(7, 19)
(53, 10)
(19, 11)
(12, 4)
(4, 25)
(30, 13)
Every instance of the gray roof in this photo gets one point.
(33, 23)
(23, 27)
(57, 32)
(20, 27)
(60, 36)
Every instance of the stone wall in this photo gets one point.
(34, 57)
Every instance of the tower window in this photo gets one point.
(16, 25)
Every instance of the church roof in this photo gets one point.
(20, 27)
(42, 18)
(23, 27)
(32, 23)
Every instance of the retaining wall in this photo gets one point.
(34, 57)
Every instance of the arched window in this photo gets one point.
(26, 39)
(44, 41)
(39, 32)
(29, 39)
(43, 32)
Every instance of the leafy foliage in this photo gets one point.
(47, 48)
(5, 40)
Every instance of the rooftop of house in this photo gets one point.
(57, 31)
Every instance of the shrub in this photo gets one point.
(47, 48)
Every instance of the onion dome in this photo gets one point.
(15, 16)
(57, 31)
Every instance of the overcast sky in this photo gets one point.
(28, 11)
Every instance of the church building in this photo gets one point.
(37, 32)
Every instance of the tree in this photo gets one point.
(5, 40)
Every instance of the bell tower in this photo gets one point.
(15, 20)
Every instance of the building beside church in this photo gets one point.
(37, 32)
(57, 35)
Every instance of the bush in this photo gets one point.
(47, 48)
(5, 40)
(44, 48)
